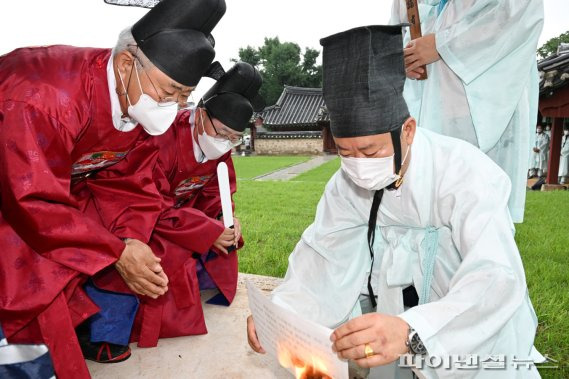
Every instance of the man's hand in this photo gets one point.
(141, 270)
(237, 228)
(386, 335)
(225, 239)
(252, 336)
(535, 150)
(420, 52)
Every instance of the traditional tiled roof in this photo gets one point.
(554, 71)
(297, 108)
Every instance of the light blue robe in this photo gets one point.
(476, 301)
(484, 89)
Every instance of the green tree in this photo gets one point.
(550, 47)
(282, 63)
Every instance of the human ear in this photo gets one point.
(408, 130)
(125, 61)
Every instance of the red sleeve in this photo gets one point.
(189, 228)
(208, 200)
(125, 194)
(35, 176)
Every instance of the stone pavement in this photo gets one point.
(290, 172)
(222, 353)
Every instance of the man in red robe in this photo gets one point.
(194, 246)
(62, 117)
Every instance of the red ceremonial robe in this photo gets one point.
(187, 227)
(55, 122)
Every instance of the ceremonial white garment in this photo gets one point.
(564, 160)
(485, 87)
(540, 159)
(450, 238)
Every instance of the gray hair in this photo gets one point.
(127, 42)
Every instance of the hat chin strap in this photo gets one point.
(377, 196)
(396, 141)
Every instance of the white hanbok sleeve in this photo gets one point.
(485, 32)
(488, 290)
(327, 268)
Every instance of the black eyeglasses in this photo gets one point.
(164, 101)
(235, 141)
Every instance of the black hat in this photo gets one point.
(175, 36)
(200, 15)
(234, 97)
(363, 78)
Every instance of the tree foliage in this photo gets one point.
(283, 63)
(550, 47)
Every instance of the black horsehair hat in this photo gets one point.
(363, 78)
(175, 35)
(234, 97)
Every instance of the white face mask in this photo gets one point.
(154, 118)
(212, 147)
(566, 132)
(371, 173)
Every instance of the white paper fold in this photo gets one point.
(292, 339)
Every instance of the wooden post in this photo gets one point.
(554, 151)
(415, 28)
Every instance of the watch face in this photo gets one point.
(417, 345)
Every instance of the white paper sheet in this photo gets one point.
(292, 339)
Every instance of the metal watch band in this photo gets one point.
(414, 343)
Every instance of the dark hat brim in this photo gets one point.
(258, 103)
(215, 71)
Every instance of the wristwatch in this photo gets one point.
(414, 343)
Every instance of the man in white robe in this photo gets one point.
(564, 159)
(450, 240)
(540, 154)
(482, 84)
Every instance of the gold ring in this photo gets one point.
(368, 351)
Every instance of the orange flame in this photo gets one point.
(312, 368)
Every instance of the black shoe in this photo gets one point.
(102, 352)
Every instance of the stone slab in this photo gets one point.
(222, 353)
(553, 187)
